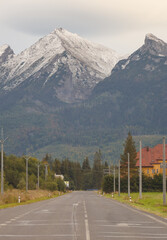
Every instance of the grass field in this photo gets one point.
(10, 197)
(151, 202)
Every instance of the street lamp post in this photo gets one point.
(38, 174)
(2, 143)
(128, 176)
(119, 180)
(26, 158)
(140, 173)
(164, 173)
(114, 178)
(46, 171)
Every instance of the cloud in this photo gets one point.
(94, 19)
(40, 16)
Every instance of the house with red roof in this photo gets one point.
(152, 160)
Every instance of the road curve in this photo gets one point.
(79, 216)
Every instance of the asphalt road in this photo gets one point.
(79, 216)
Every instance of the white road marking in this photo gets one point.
(41, 224)
(8, 222)
(144, 234)
(74, 220)
(134, 237)
(126, 225)
(22, 215)
(129, 222)
(87, 229)
(86, 223)
(30, 236)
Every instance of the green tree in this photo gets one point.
(47, 159)
(87, 175)
(129, 147)
(107, 185)
(85, 164)
(56, 166)
(97, 170)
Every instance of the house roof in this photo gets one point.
(151, 156)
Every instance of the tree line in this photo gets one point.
(80, 176)
(15, 174)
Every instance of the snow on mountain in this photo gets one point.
(95, 55)
(151, 53)
(87, 64)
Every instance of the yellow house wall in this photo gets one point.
(159, 167)
(144, 169)
(154, 167)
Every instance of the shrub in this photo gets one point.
(22, 184)
(107, 184)
(51, 186)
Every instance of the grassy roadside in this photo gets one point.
(10, 197)
(151, 202)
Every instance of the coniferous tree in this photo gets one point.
(97, 170)
(87, 175)
(86, 165)
(129, 147)
(56, 166)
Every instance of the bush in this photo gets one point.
(61, 185)
(51, 186)
(32, 182)
(148, 184)
(22, 184)
(107, 184)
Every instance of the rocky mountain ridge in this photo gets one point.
(136, 88)
(72, 66)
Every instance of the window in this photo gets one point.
(157, 171)
(153, 171)
(148, 171)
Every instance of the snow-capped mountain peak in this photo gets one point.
(88, 52)
(53, 56)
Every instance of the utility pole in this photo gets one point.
(2, 143)
(140, 173)
(128, 176)
(114, 178)
(26, 158)
(38, 174)
(46, 171)
(109, 170)
(119, 179)
(164, 173)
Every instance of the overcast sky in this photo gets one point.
(118, 24)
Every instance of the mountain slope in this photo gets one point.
(61, 64)
(132, 98)
(137, 87)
